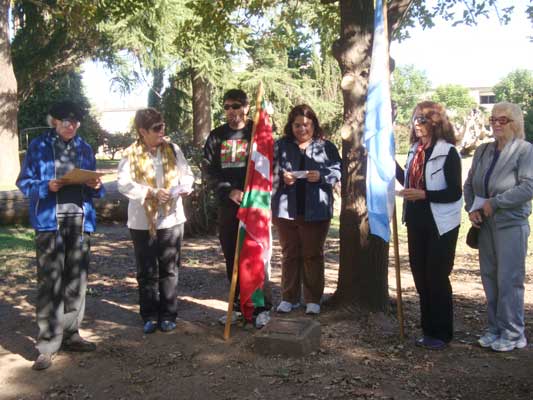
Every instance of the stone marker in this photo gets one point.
(291, 337)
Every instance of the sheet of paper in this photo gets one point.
(478, 203)
(299, 174)
(80, 176)
(177, 190)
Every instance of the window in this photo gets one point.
(487, 99)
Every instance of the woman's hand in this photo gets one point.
(54, 185)
(162, 195)
(288, 178)
(313, 176)
(475, 218)
(413, 194)
(94, 183)
(487, 209)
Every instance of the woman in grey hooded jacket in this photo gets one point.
(498, 193)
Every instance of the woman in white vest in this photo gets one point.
(498, 194)
(432, 213)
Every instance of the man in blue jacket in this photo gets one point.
(63, 217)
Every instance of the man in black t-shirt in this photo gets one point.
(225, 162)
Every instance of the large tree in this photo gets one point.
(364, 257)
(9, 162)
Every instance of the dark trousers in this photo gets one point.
(302, 248)
(431, 257)
(228, 228)
(62, 267)
(158, 259)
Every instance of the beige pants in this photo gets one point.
(302, 247)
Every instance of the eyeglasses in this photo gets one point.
(500, 120)
(233, 106)
(420, 120)
(157, 127)
(65, 123)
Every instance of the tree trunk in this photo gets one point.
(154, 96)
(363, 257)
(201, 108)
(9, 161)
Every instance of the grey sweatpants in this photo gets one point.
(502, 255)
(62, 266)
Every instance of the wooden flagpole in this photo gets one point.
(399, 303)
(235, 274)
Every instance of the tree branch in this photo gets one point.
(397, 9)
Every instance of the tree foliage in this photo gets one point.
(456, 99)
(59, 86)
(409, 86)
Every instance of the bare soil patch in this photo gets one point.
(361, 356)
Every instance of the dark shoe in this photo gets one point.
(430, 343)
(44, 361)
(167, 326)
(79, 345)
(149, 327)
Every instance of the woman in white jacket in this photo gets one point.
(432, 213)
(154, 175)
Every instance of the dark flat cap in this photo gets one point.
(66, 110)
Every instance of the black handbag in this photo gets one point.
(472, 237)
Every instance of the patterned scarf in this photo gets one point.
(143, 172)
(416, 172)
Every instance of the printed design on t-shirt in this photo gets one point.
(233, 153)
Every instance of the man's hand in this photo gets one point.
(288, 178)
(54, 185)
(413, 194)
(236, 196)
(94, 183)
(313, 176)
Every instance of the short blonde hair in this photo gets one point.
(515, 114)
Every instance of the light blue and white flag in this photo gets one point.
(378, 134)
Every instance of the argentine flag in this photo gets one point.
(378, 134)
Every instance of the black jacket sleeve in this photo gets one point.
(212, 167)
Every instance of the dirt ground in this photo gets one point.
(360, 357)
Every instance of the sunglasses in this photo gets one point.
(500, 120)
(234, 106)
(65, 123)
(420, 120)
(157, 127)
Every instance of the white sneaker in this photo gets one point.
(286, 307)
(487, 339)
(262, 319)
(236, 316)
(503, 344)
(312, 308)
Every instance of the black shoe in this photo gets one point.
(79, 345)
(44, 361)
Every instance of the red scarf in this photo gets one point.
(416, 172)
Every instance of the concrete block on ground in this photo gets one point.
(293, 337)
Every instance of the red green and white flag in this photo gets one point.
(254, 246)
